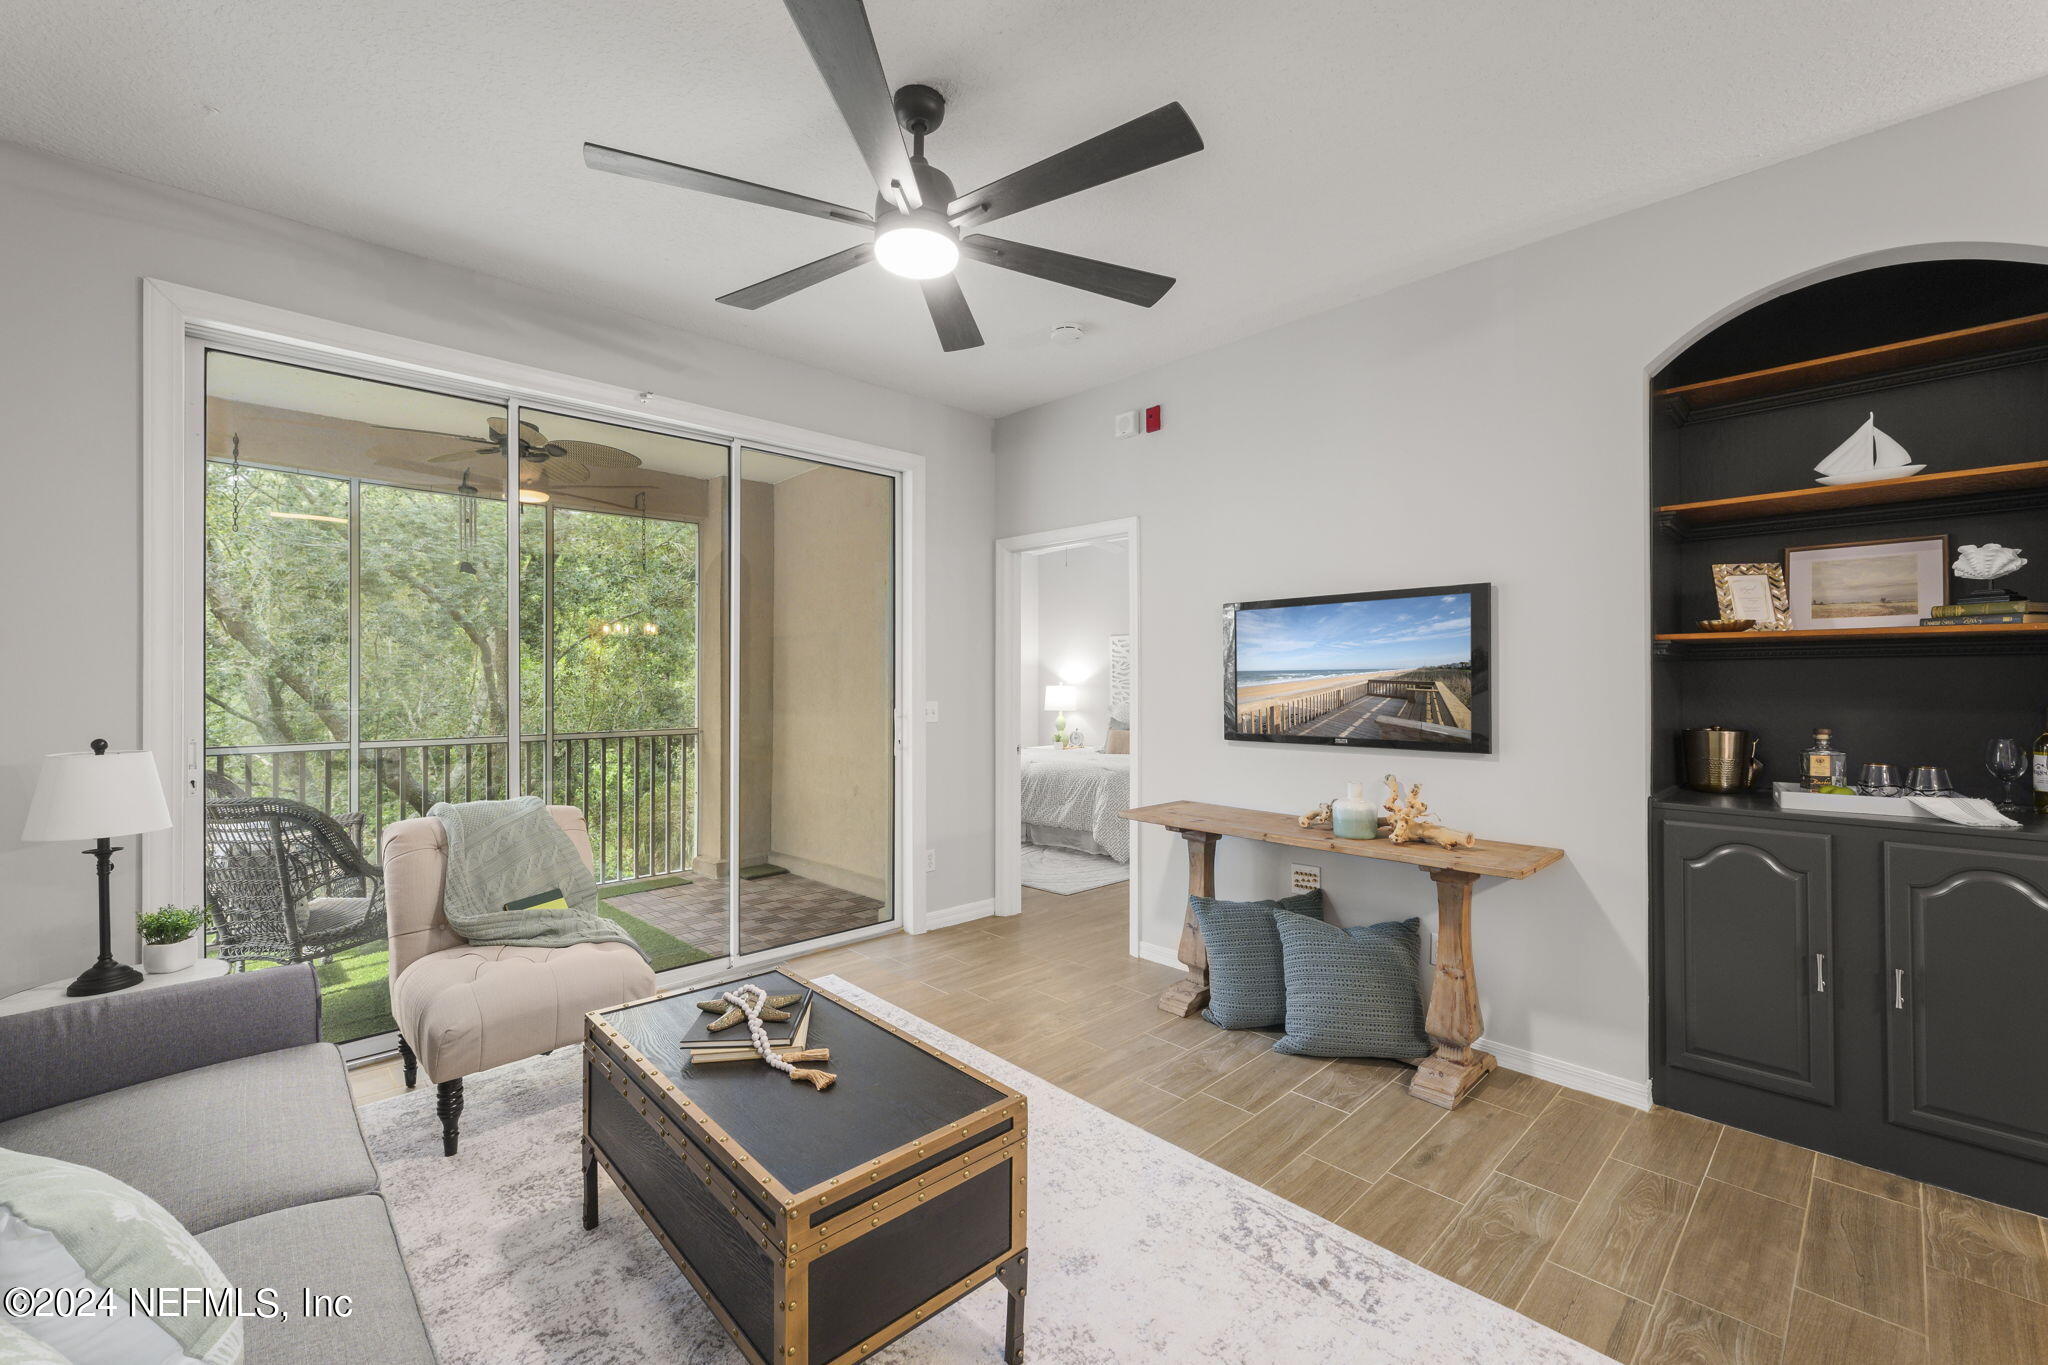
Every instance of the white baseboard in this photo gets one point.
(1165, 957)
(1570, 1075)
(958, 914)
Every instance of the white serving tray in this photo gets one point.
(1792, 796)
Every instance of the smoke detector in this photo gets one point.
(1066, 334)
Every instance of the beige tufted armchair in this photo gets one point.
(466, 1007)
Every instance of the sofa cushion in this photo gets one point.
(1353, 992)
(83, 1234)
(335, 1247)
(219, 1143)
(1247, 987)
(471, 1008)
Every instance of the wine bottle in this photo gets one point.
(2041, 772)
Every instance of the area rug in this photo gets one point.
(1065, 872)
(1140, 1251)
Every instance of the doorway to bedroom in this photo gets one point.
(1067, 729)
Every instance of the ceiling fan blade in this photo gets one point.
(950, 313)
(1160, 136)
(843, 46)
(529, 434)
(1141, 287)
(803, 277)
(557, 473)
(476, 456)
(690, 178)
(598, 456)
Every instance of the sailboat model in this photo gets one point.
(1867, 455)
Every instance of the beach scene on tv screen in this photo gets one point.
(1394, 668)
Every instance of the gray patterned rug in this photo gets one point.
(1065, 872)
(1140, 1251)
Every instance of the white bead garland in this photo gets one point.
(750, 1000)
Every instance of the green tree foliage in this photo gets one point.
(433, 644)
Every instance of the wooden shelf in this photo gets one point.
(1884, 642)
(1955, 483)
(1486, 858)
(1968, 343)
(1751, 637)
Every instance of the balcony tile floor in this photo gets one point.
(773, 911)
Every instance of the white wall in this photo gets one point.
(1487, 424)
(1083, 597)
(75, 244)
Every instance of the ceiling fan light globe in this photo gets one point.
(917, 247)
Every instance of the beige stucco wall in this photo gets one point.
(833, 698)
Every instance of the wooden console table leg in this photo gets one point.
(1448, 1073)
(1188, 995)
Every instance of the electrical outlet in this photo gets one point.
(931, 864)
(931, 713)
(1126, 425)
(1305, 877)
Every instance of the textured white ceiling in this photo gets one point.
(1351, 143)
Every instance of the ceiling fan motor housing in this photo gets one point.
(914, 253)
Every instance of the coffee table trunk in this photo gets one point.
(834, 1270)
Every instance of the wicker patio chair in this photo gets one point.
(221, 787)
(286, 883)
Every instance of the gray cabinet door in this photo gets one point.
(1966, 948)
(1748, 943)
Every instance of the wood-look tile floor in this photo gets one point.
(1655, 1238)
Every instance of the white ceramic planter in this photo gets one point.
(160, 958)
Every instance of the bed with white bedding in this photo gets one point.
(1071, 799)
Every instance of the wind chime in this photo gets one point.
(647, 627)
(465, 525)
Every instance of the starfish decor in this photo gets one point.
(771, 1013)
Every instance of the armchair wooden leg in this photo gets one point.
(410, 1062)
(448, 1104)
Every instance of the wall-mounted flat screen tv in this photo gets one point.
(1406, 669)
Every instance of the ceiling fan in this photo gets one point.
(544, 464)
(918, 218)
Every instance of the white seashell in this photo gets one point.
(1987, 561)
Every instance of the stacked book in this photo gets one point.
(735, 1043)
(1988, 614)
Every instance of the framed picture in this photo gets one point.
(1753, 592)
(1865, 584)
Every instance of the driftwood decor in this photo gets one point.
(1319, 818)
(1411, 824)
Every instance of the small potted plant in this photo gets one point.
(170, 938)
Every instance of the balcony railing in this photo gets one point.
(637, 788)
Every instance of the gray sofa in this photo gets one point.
(218, 1100)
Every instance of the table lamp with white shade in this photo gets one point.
(94, 796)
(1061, 697)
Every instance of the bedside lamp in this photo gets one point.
(90, 796)
(1061, 697)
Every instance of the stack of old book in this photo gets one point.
(2014, 613)
(735, 1042)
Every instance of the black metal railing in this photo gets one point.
(637, 788)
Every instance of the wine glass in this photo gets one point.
(2006, 760)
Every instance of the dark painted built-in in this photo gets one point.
(1867, 987)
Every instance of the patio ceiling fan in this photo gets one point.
(544, 464)
(918, 218)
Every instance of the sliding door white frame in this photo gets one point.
(173, 525)
(1010, 554)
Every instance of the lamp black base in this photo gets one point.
(104, 976)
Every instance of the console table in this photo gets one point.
(1455, 1066)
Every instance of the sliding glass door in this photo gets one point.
(816, 687)
(384, 631)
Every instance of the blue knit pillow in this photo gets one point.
(1247, 986)
(1352, 992)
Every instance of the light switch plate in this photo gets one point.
(1305, 877)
